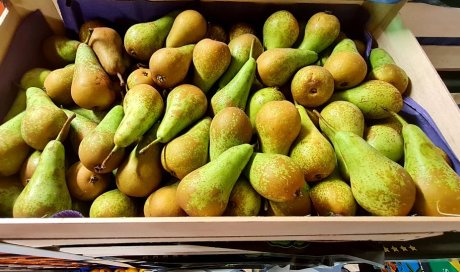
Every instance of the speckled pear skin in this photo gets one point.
(162, 203)
(258, 99)
(189, 27)
(187, 152)
(386, 140)
(10, 188)
(79, 128)
(13, 149)
(59, 50)
(244, 200)
(321, 31)
(383, 67)
(276, 177)
(206, 191)
(43, 119)
(280, 30)
(108, 47)
(230, 127)
(312, 151)
(343, 115)
(438, 186)
(299, 206)
(113, 204)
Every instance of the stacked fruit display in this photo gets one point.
(298, 124)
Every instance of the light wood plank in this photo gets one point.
(444, 58)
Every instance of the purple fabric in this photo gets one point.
(67, 214)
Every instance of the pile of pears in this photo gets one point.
(178, 116)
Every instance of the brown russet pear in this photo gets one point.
(169, 66)
(276, 177)
(230, 127)
(79, 128)
(312, 86)
(162, 203)
(278, 124)
(46, 193)
(188, 151)
(379, 185)
(113, 204)
(387, 140)
(42, 121)
(438, 185)
(383, 67)
(13, 149)
(139, 76)
(258, 99)
(244, 200)
(29, 166)
(140, 174)
(280, 30)
(188, 27)
(239, 29)
(59, 50)
(206, 191)
(210, 60)
(299, 206)
(58, 85)
(10, 188)
(85, 185)
(321, 31)
(312, 151)
(92, 87)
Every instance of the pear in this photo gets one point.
(379, 185)
(185, 105)
(113, 204)
(10, 188)
(258, 99)
(239, 29)
(321, 31)
(139, 76)
(372, 98)
(230, 127)
(94, 23)
(244, 200)
(278, 124)
(29, 166)
(236, 92)
(312, 86)
(276, 177)
(187, 152)
(361, 47)
(42, 121)
(13, 149)
(79, 128)
(280, 30)
(143, 39)
(169, 66)
(383, 67)
(344, 116)
(46, 193)
(59, 50)
(140, 174)
(85, 185)
(206, 191)
(240, 49)
(58, 85)
(188, 27)
(299, 206)
(210, 60)
(91, 85)
(92, 115)
(81, 206)
(438, 185)
(347, 66)
(312, 151)
(162, 203)
(333, 196)
(98, 144)
(216, 32)
(277, 66)
(386, 140)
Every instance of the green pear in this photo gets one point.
(230, 127)
(278, 124)
(321, 31)
(258, 99)
(113, 204)
(46, 193)
(244, 200)
(236, 92)
(299, 206)
(80, 127)
(29, 166)
(95, 116)
(280, 30)
(372, 98)
(379, 185)
(438, 185)
(344, 116)
(383, 67)
(189, 27)
(276, 177)
(10, 188)
(58, 85)
(98, 144)
(42, 121)
(277, 66)
(240, 28)
(386, 140)
(187, 152)
(240, 49)
(216, 32)
(59, 50)
(206, 191)
(210, 60)
(13, 149)
(143, 39)
(140, 174)
(312, 151)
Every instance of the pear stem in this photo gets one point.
(252, 48)
(122, 81)
(65, 127)
(398, 117)
(145, 148)
(90, 33)
(331, 128)
(104, 162)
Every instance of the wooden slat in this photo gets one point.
(444, 58)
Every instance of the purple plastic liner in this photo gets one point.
(67, 214)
